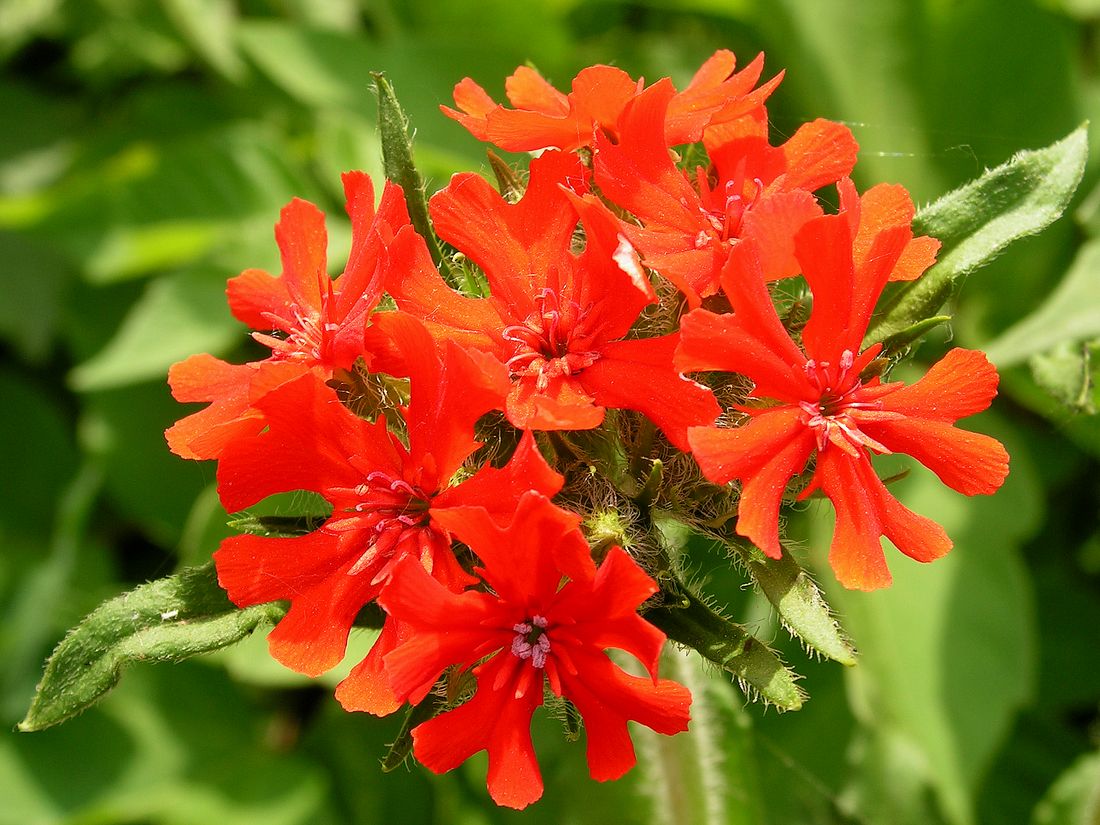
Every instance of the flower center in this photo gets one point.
(725, 206)
(307, 334)
(531, 641)
(542, 341)
(834, 416)
(395, 511)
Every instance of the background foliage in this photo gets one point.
(147, 147)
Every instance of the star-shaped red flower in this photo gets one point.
(385, 501)
(311, 322)
(530, 630)
(754, 190)
(559, 321)
(820, 404)
(545, 118)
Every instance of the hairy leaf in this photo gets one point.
(758, 670)
(977, 221)
(801, 607)
(166, 620)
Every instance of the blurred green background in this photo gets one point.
(146, 147)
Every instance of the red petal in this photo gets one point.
(856, 552)
(638, 375)
(499, 490)
(415, 284)
(310, 571)
(449, 392)
(475, 105)
(232, 390)
(920, 253)
(361, 283)
(562, 405)
(606, 698)
(764, 453)
(303, 244)
(819, 153)
(637, 173)
(608, 279)
(310, 438)
(367, 688)
(711, 88)
(444, 629)
(972, 463)
(865, 511)
(515, 244)
(599, 95)
(519, 130)
(524, 561)
(527, 89)
(762, 491)
(752, 341)
(772, 223)
(494, 720)
(257, 298)
(206, 378)
(824, 248)
(962, 383)
(602, 614)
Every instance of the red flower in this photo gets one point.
(759, 191)
(385, 501)
(557, 320)
(532, 628)
(317, 323)
(824, 406)
(545, 118)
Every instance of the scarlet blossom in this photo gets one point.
(559, 321)
(754, 190)
(530, 630)
(311, 322)
(545, 118)
(385, 499)
(824, 404)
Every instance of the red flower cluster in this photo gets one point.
(616, 272)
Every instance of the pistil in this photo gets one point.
(531, 641)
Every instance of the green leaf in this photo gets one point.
(207, 25)
(977, 221)
(167, 620)
(1067, 372)
(686, 619)
(276, 526)
(117, 221)
(402, 746)
(191, 304)
(397, 158)
(1071, 312)
(911, 334)
(315, 66)
(1075, 798)
(801, 607)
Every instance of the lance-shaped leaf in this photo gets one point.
(977, 221)
(276, 526)
(1070, 313)
(798, 601)
(686, 619)
(402, 745)
(397, 160)
(167, 620)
